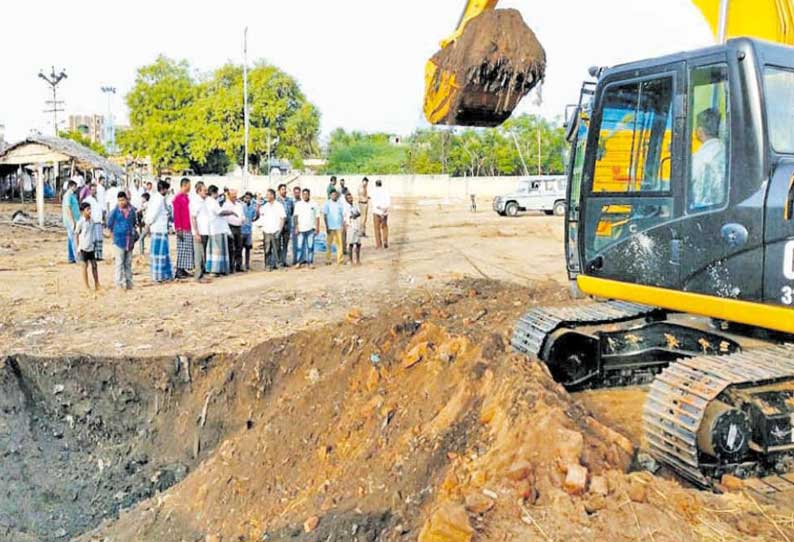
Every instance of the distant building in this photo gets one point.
(91, 126)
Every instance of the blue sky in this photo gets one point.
(360, 61)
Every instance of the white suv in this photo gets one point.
(545, 193)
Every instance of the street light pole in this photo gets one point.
(270, 143)
(245, 108)
(53, 79)
(110, 136)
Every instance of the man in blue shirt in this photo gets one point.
(334, 223)
(250, 208)
(70, 212)
(122, 223)
(289, 208)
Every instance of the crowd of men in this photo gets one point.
(215, 230)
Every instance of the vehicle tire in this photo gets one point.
(559, 208)
(511, 209)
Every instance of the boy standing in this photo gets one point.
(353, 229)
(85, 235)
(334, 225)
(250, 208)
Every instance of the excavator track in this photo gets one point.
(676, 412)
(532, 330)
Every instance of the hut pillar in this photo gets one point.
(40, 193)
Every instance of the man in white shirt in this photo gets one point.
(97, 213)
(381, 203)
(272, 217)
(136, 191)
(112, 197)
(235, 218)
(27, 185)
(708, 163)
(218, 244)
(79, 179)
(200, 228)
(307, 224)
(101, 197)
(157, 219)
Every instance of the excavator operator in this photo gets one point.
(708, 162)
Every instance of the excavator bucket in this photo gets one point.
(479, 78)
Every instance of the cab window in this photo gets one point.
(710, 137)
(631, 191)
(779, 95)
(634, 140)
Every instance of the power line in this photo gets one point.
(53, 80)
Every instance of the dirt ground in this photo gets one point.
(51, 313)
(380, 403)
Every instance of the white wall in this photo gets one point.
(400, 186)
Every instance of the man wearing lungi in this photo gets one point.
(184, 237)
(157, 220)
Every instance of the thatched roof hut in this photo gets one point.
(41, 149)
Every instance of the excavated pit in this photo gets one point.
(417, 423)
(82, 439)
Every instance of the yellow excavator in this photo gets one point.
(680, 216)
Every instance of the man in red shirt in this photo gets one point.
(184, 237)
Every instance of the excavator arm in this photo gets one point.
(471, 10)
(770, 20)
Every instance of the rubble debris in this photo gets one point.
(449, 523)
(311, 524)
(476, 503)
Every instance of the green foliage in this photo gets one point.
(356, 152)
(185, 122)
(83, 140)
(467, 152)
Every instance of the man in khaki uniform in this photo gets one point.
(363, 204)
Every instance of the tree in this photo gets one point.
(182, 122)
(159, 103)
(498, 151)
(83, 140)
(553, 146)
(356, 152)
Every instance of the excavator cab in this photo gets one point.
(681, 182)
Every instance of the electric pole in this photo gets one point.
(110, 131)
(53, 79)
(245, 108)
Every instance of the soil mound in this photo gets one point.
(498, 60)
